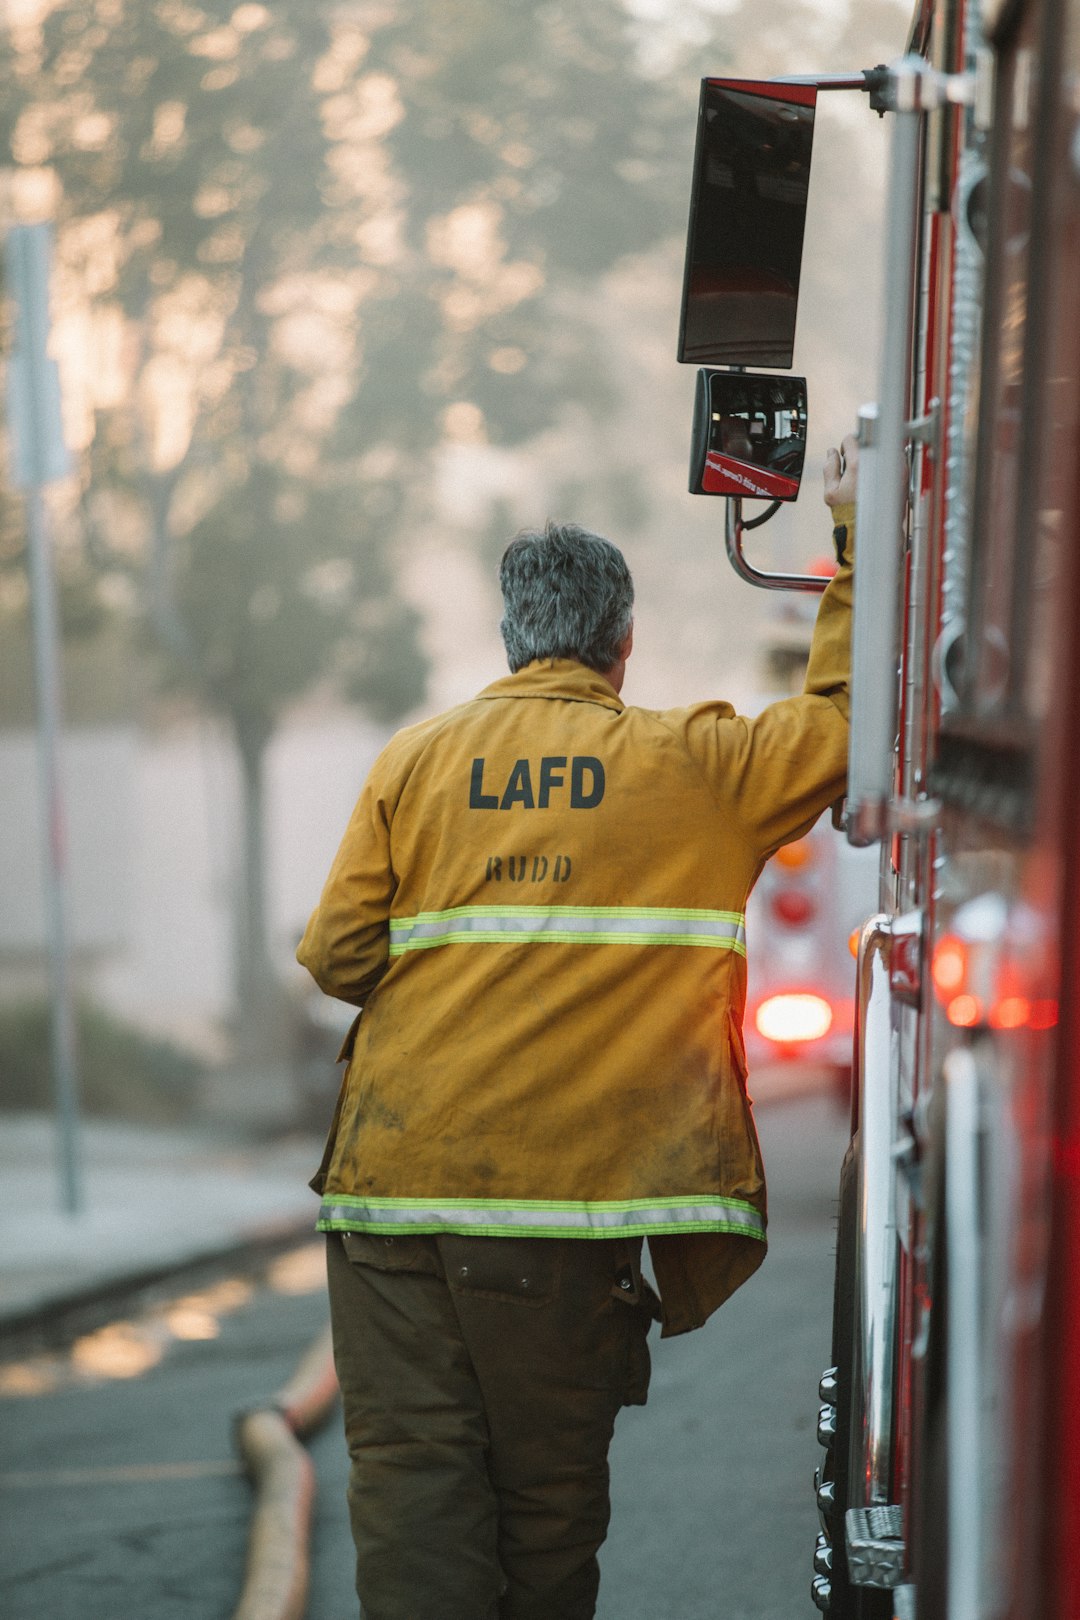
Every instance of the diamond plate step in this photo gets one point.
(875, 1548)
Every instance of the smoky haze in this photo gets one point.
(342, 296)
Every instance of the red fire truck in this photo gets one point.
(949, 1486)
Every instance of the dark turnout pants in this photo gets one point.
(481, 1378)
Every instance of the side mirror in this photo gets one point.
(749, 435)
(747, 218)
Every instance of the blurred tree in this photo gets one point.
(307, 243)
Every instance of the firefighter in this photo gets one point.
(538, 904)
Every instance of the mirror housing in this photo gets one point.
(747, 219)
(749, 435)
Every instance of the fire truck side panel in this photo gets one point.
(983, 858)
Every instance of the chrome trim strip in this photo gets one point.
(964, 1360)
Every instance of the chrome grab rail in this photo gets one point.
(877, 1267)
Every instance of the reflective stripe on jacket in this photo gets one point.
(539, 902)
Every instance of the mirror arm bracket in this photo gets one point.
(927, 429)
(874, 82)
(762, 517)
(734, 528)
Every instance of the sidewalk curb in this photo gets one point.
(58, 1320)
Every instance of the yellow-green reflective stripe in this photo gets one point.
(588, 925)
(539, 1217)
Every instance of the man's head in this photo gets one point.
(567, 594)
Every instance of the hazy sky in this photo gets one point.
(686, 20)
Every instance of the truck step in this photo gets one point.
(875, 1547)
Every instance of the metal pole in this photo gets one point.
(38, 456)
(47, 681)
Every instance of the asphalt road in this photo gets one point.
(120, 1495)
(713, 1514)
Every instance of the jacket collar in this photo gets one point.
(556, 678)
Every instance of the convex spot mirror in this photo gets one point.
(749, 435)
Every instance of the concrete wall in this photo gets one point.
(152, 836)
(98, 774)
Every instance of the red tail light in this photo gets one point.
(964, 1011)
(976, 984)
(949, 967)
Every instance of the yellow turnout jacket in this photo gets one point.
(539, 903)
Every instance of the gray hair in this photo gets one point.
(567, 594)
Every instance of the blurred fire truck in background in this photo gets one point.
(809, 901)
(804, 913)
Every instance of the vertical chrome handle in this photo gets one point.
(876, 1240)
(882, 490)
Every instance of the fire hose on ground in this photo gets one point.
(270, 1441)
